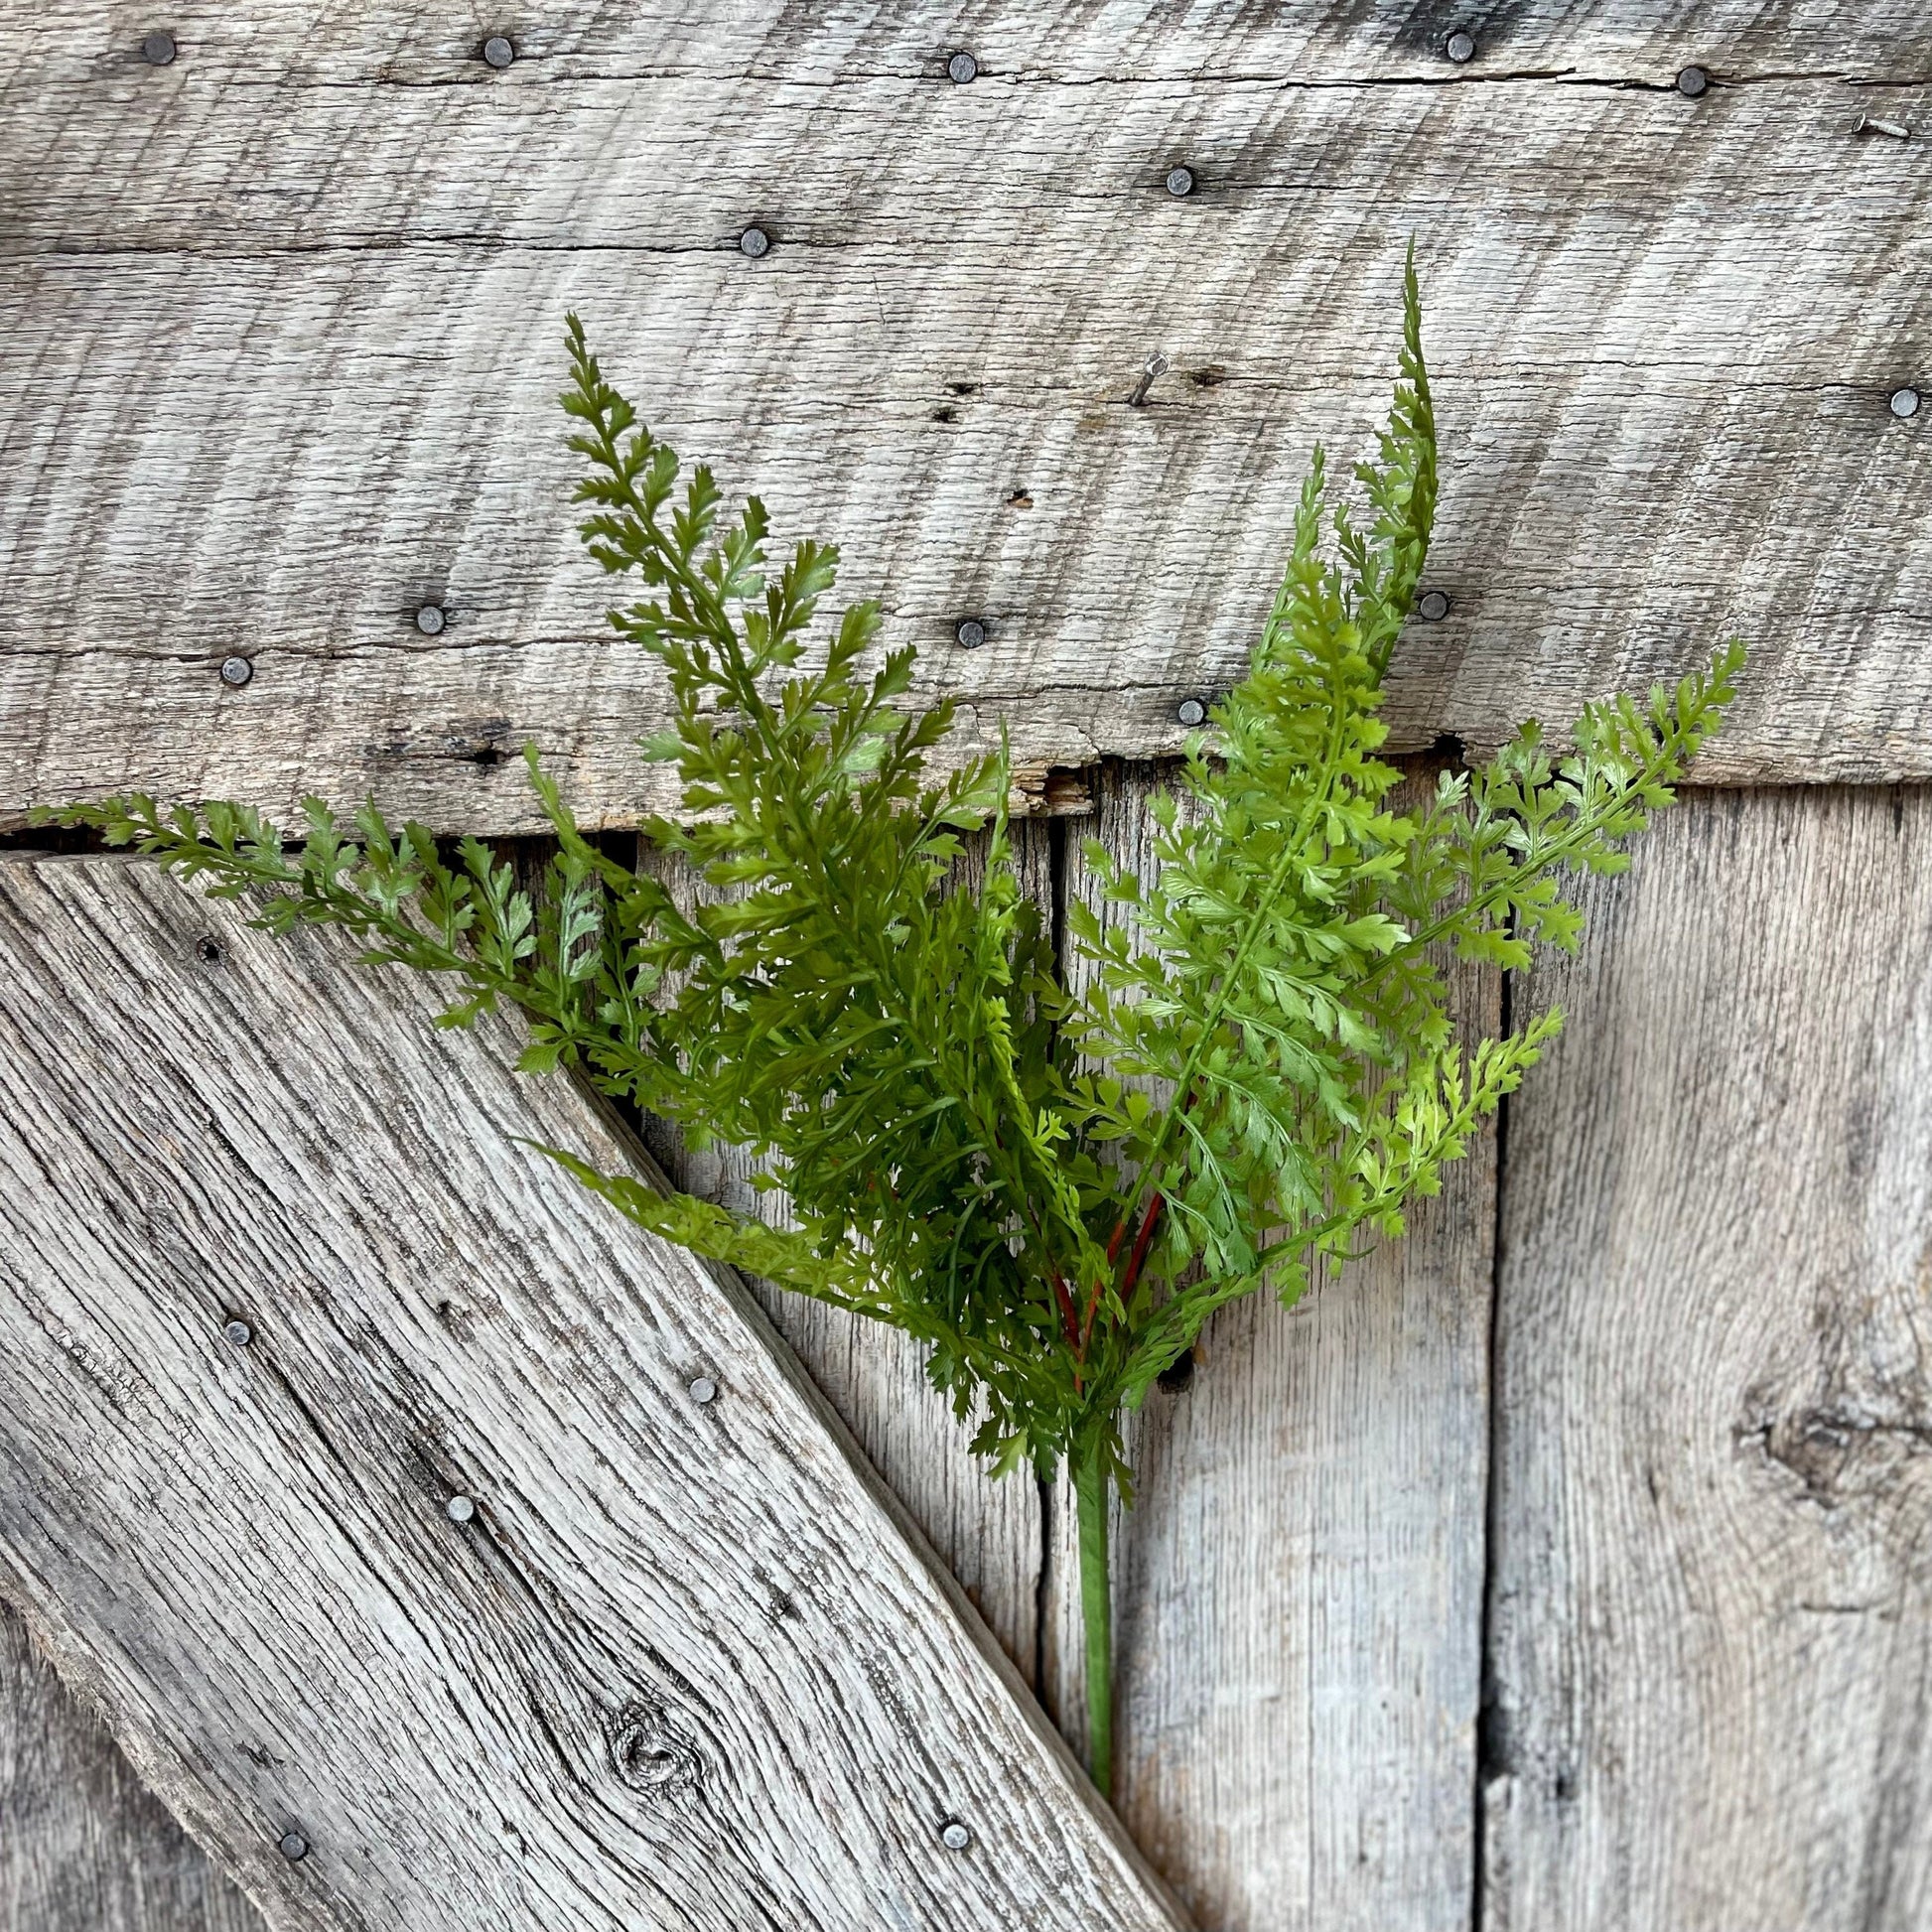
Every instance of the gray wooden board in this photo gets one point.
(1298, 1584)
(989, 1532)
(279, 351)
(84, 1847)
(689, 1665)
(1712, 1584)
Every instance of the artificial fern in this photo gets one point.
(1052, 1190)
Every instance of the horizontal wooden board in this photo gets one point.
(280, 334)
(1711, 1596)
(687, 1664)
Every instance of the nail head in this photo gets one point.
(954, 1835)
(460, 1509)
(961, 68)
(240, 1332)
(1904, 402)
(1433, 606)
(1192, 712)
(1692, 81)
(1461, 46)
(754, 243)
(971, 633)
(430, 618)
(499, 52)
(294, 1845)
(1180, 181)
(158, 50)
(236, 672)
(703, 1389)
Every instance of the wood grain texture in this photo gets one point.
(989, 1532)
(84, 1847)
(280, 332)
(1298, 1584)
(1712, 1594)
(688, 1666)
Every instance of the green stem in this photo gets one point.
(1091, 1489)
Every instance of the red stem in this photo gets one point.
(1141, 1242)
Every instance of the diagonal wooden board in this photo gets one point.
(279, 351)
(687, 1664)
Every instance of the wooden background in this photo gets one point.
(1568, 1566)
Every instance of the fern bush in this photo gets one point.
(1051, 1189)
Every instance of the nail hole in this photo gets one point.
(1209, 377)
(1020, 500)
(1447, 745)
(1179, 1374)
(945, 414)
(208, 952)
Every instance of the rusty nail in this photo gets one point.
(499, 52)
(1461, 46)
(702, 1390)
(754, 243)
(238, 1332)
(1692, 81)
(236, 672)
(971, 633)
(954, 1835)
(1433, 606)
(430, 618)
(1155, 364)
(460, 1509)
(961, 68)
(294, 1845)
(1904, 402)
(1192, 712)
(158, 50)
(1180, 181)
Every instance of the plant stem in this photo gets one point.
(1091, 1489)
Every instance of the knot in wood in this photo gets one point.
(649, 1756)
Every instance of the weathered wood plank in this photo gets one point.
(273, 380)
(688, 1665)
(1713, 1595)
(990, 1532)
(1299, 1585)
(85, 1848)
